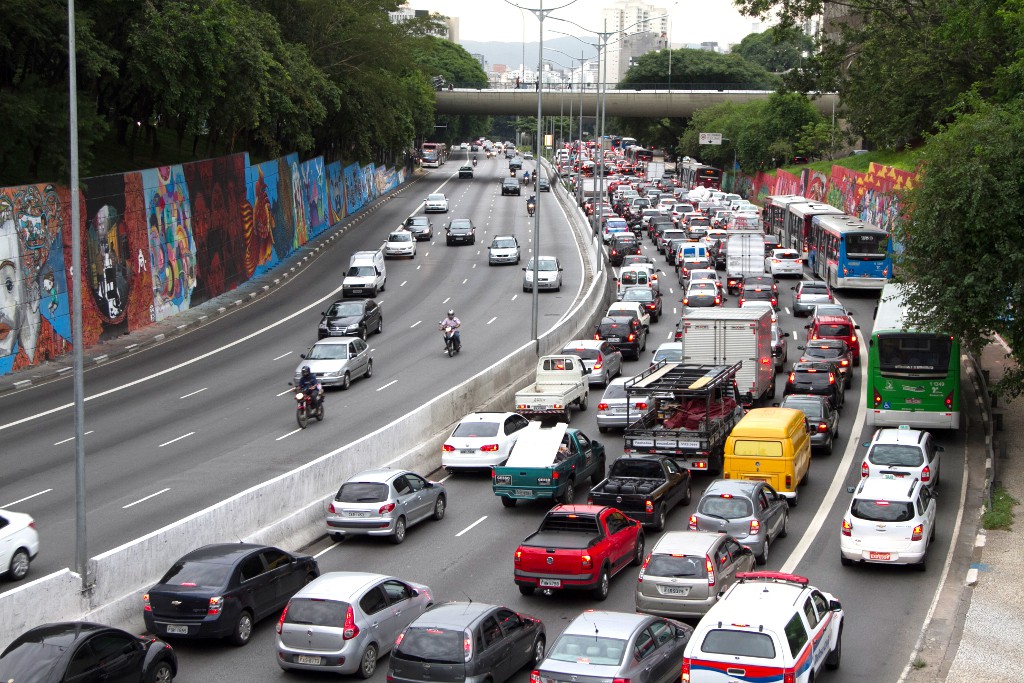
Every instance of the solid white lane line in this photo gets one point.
(415, 324)
(394, 381)
(327, 550)
(22, 500)
(183, 436)
(143, 500)
(492, 320)
(286, 391)
(198, 391)
(294, 431)
(71, 438)
(834, 488)
(283, 355)
(471, 526)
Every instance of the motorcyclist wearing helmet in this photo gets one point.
(309, 384)
(451, 321)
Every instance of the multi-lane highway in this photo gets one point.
(238, 419)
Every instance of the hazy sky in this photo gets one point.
(692, 21)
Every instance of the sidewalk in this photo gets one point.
(976, 633)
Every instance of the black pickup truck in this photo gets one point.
(646, 488)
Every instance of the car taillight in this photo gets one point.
(918, 533)
(387, 507)
(632, 337)
(641, 406)
(602, 406)
(685, 673)
(789, 481)
(926, 474)
(586, 562)
(823, 427)
(741, 302)
(519, 556)
(597, 335)
(649, 506)
(643, 568)
(448, 448)
(864, 470)
(146, 607)
(490, 448)
(798, 296)
(280, 622)
(709, 566)
(853, 339)
(847, 528)
(755, 527)
(693, 523)
(792, 377)
(686, 301)
(535, 676)
(831, 378)
(215, 606)
(349, 629)
(599, 363)
(844, 362)
(775, 302)
(788, 677)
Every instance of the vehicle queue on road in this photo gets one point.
(467, 635)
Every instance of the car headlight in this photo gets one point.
(331, 374)
(323, 325)
(352, 328)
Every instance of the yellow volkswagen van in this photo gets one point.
(770, 445)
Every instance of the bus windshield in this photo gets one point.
(867, 246)
(902, 354)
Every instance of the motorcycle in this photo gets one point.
(530, 208)
(474, 161)
(304, 408)
(451, 344)
(526, 179)
(512, 172)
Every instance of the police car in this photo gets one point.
(768, 627)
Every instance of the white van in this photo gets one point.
(637, 275)
(367, 274)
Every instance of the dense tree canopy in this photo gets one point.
(776, 49)
(437, 57)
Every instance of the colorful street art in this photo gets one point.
(336, 192)
(314, 191)
(172, 247)
(355, 196)
(786, 183)
(369, 184)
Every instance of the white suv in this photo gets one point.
(890, 521)
(902, 453)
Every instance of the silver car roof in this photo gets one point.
(608, 624)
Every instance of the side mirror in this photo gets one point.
(776, 405)
(785, 334)
(524, 268)
(807, 327)
(802, 348)
(851, 489)
(856, 327)
(681, 633)
(866, 444)
(940, 449)
(793, 288)
(834, 605)
(747, 551)
(290, 384)
(302, 355)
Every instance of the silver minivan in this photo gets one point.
(343, 622)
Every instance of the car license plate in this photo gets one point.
(914, 401)
(352, 513)
(614, 339)
(893, 475)
(550, 583)
(304, 659)
(879, 556)
(178, 630)
(467, 451)
(674, 590)
(503, 479)
(643, 443)
(521, 492)
(765, 479)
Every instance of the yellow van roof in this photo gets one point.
(769, 420)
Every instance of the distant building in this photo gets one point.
(632, 47)
(709, 46)
(626, 17)
(480, 58)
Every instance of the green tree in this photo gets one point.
(776, 49)
(437, 57)
(963, 230)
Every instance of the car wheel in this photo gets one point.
(603, 430)
(161, 673)
(845, 561)
(526, 590)
(363, 334)
(399, 534)
(346, 381)
(688, 496)
(659, 519)
(243, 629)
(380, 325)
(337, 538)
(836, 654)
(600, 593)
(785, 525)
(584, 400)
(439, 508)
(828, 447)
(569, 494)
(19, 565)
(368, 662)
(638, 551)
(794, 500)
(508, 502)
(763, 557)
(538, 653)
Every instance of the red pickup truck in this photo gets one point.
(578, 547)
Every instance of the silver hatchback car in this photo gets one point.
(343, 622)
(336, 361)
(384, 502)
(752, 512)
(687, 571)
(602, 359)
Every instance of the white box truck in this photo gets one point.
(744, 255)
(724, 336)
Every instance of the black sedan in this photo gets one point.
(460, 231)
(625, 334)
(821, 418)
(818, 379)
(648, 297)
(510, 186)
(466, 171)
(351, 318)
(82, 651)
(220, 591)
(420, 227)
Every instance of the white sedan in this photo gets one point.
(400, 243)
(481, 441)
(19, 544)
(784, 262)
(436, 203)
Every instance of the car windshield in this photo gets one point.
(361, 271)
(588, 649)
(829, 309)
(345, 309)
(882, 510)
(192, 574)
(400, 237)
(328, 352)
(503, 244)
(316, 612)
(543, 264)
(460, 224)
(434, 645)
(435, 198)
(677, 566)
(673, 355)
(362, 492)
(472, 430)
(895, 454)
(725, 505)
(739, 644)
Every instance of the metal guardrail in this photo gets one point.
(992, 422)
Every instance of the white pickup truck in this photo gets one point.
(561, 382)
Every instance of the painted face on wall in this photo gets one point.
(13, 290)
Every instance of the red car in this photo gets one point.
(578, 547)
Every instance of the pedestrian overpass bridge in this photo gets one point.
(675, 103)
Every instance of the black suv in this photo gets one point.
(510, 186)
(624, 333)
(818, 379)
(623, 244)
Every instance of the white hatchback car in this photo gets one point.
(784, 262)
(436, 203)
(19, 544)
(632, 309)
(482, 440)
(400, 243)
(889, 521)
(902, 453)
(549, 274)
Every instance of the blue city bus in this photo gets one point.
(848, 253)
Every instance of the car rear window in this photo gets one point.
(768, 449)
(729, 507)
(894, 454)
(362, 492)
(814, 288)
(677, 566)
(588, 649)
(316, 612)
(585, 354)
(809, 408)
(474, 429)
(615, 328)
(197, 574)
(615, 391)
(739, 644)
(758, 294)
(639, 294)
(435, 645)
(882, 510)
(829, 330)
(823, 352)
(811, 378)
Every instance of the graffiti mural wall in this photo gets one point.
(159, 241)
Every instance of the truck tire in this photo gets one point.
(659, 519)
(569, 494)
(584, 400)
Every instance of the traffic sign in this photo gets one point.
(710, 138)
